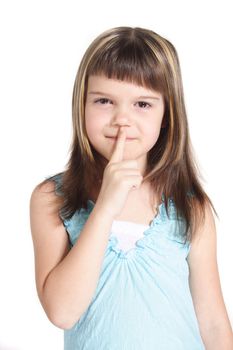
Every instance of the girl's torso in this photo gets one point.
(142, 299)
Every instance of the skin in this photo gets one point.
(112, 104)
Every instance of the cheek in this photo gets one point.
(153, 127)
(152, 133)
(91, 124)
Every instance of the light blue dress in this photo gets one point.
(142, 300)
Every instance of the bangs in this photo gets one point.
(130, 60)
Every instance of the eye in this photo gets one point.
(102, 101)
(144, 105)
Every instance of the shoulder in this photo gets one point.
(44, 197)
(50, 186)
(202, 257)
(44, 208)
(205, 235)
(44, 186)
(44, 189)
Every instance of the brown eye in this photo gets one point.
(143, 104)
(102, 101)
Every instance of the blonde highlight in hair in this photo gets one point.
(145, 58)
(78, 100)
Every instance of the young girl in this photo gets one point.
(125, 238)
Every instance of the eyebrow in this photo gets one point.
(106, 94)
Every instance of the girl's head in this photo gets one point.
(111, 104)
(148, 61)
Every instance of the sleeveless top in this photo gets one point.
(142, 299)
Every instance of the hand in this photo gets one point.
(119, 177)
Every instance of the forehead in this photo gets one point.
(102, 84)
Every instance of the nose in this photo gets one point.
(121, 117)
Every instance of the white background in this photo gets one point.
(42, 43)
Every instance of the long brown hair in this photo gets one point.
(145, 58)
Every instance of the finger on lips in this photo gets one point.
(118, 152)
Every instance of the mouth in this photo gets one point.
(127, 139)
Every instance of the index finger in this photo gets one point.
(118, 152)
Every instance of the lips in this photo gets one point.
(127, 138)
(114, 137)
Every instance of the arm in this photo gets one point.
(204, 281)
(66, 279)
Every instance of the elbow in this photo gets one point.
(62, 321)
(61, 315)
(62, 325)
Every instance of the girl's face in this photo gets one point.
(113, 103)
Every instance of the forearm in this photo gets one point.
(219, 338)
(69, 288)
